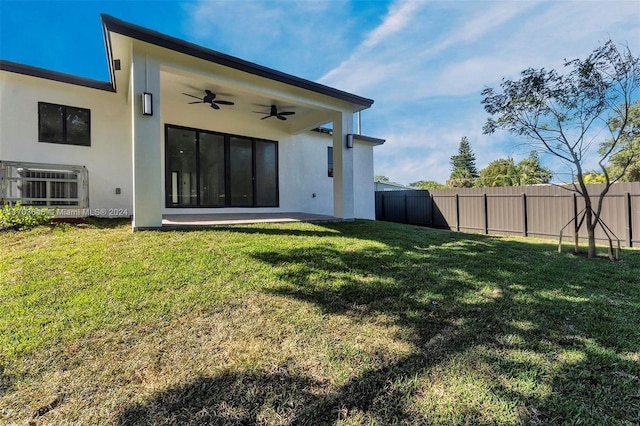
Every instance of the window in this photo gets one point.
(210, 169)
(330, 161)
(64, 124)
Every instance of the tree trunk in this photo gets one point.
(591, 233)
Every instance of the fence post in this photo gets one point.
(458, 212)
(629, 219)
(486, 213)
(404, 198)
(525, 230)
(431, 220)
(576, 240)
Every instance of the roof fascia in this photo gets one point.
(363, 138)
(371, 140)
(109, 51)
(55, 76)
(115, 25)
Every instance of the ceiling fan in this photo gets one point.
(274, 113)
(209, 98)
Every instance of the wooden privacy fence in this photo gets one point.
(537, 211)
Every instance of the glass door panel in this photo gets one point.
(241, 171)
(182, 188)
(212, 186)
(266, 174)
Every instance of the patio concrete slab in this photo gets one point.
(174, 221)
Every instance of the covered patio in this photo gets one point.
(261, 150)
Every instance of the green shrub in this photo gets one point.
(20, 217)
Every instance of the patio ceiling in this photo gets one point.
(175, 85)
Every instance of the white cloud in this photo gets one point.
(297, 37)
(408, 40)
(397, 19)
(479, 47)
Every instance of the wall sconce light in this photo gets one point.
(147, 104)
(350, 140)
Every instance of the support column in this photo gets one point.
(146, 144)
(343, 191)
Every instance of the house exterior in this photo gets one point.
(180, 129)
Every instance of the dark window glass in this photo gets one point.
(266, 174)
(51, 123)
(212, 185)
(241, 171)
(64, 124)
(78, 126)
(330, 161)
(181, 167)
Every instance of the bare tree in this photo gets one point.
(570, 115)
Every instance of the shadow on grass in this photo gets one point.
(91, 222)
(229, 398)
(257, 229)
(517, 307)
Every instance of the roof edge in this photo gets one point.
(32, 71)
(363, 138)
(172, 43)
(372, 140)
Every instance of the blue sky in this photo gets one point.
(423, 62)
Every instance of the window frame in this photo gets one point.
(65, 139)
(330, 161)
(227, 170)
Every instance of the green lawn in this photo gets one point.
(347, 324)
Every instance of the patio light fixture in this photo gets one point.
(349, 140)
(147, 103)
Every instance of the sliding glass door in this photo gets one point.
(208, 169)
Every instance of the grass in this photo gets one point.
(347, 324)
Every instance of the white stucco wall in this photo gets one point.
(364, 196)
(108, 159)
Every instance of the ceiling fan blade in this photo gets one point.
(197, 97)
(214, 106)
(287, 113)
(224, 102)
(264, 118)
(198, 102)
(261, 112)
(280, 117)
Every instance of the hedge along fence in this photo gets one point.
(537, 211)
